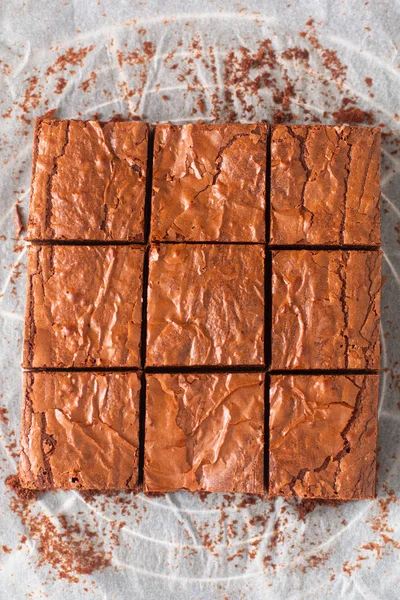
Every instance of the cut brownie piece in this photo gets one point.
(205, 305)
(209, 183)
(88, 181)
(80, 430)
(204, 432)
(325, 309)
(325, 185)
(84, 306)
(323, 436)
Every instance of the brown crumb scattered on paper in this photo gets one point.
(349, 113)
(3, 415)
(140, 60)
(14, 484)
(383, 539)
(201, 106)
(69, 546)
(70, 58)
(329, 57)
(397, 230)
(296, 54)
(19, 225)
(32, 97)
(306, 506)
(85, 85)
(61, 83)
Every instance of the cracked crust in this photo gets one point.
(80, 430)
(88, 181)
(326, 309)
(205, 432)
(323, 436)
(325, 185)
(205, 305)
(84, 306)
(209, 183)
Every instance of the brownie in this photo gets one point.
(325, 309)
(88, 181)
(209, 183)
(205, 305)
(325, 185)
(323, 436)
(204, 432)
(84, 306)
(80, 430)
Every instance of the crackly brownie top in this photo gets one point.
(80, 430)
(84, 306)
(325, 185)
(209, 183)
(205, 432)
(325, 309)
(88, 180)
(323, 432)
(205, 305)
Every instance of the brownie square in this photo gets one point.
(88, 181)
(323, 436)
(325, 309)
(80, 430)
(209, 183)
(84, 306)
(204, 432)
(205, 305)
(325, 185)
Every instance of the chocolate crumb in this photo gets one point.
(19, 225)
(3, 415)
(61, 83)
(70, 58)
(352, 114)
(14, 484)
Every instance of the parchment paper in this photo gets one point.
(184, 61)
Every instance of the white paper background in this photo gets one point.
(336, 552)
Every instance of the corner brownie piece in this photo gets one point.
(325, 185)
(88, 181)
(323, 436)
(205, 305)
(80, 430)
(209, 183)
(204, 432)
(84, 306)
(325, 309)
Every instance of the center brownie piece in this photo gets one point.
(204, 432)
(80, 430)
(325, 309)
(209, 183)
(205, 305)
(88, 181)
(84, 306)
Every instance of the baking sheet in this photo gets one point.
(184, 61)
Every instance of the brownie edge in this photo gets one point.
(88, 181)
(80, 430)
(84, 306)
(325, 185)
(323, 436)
